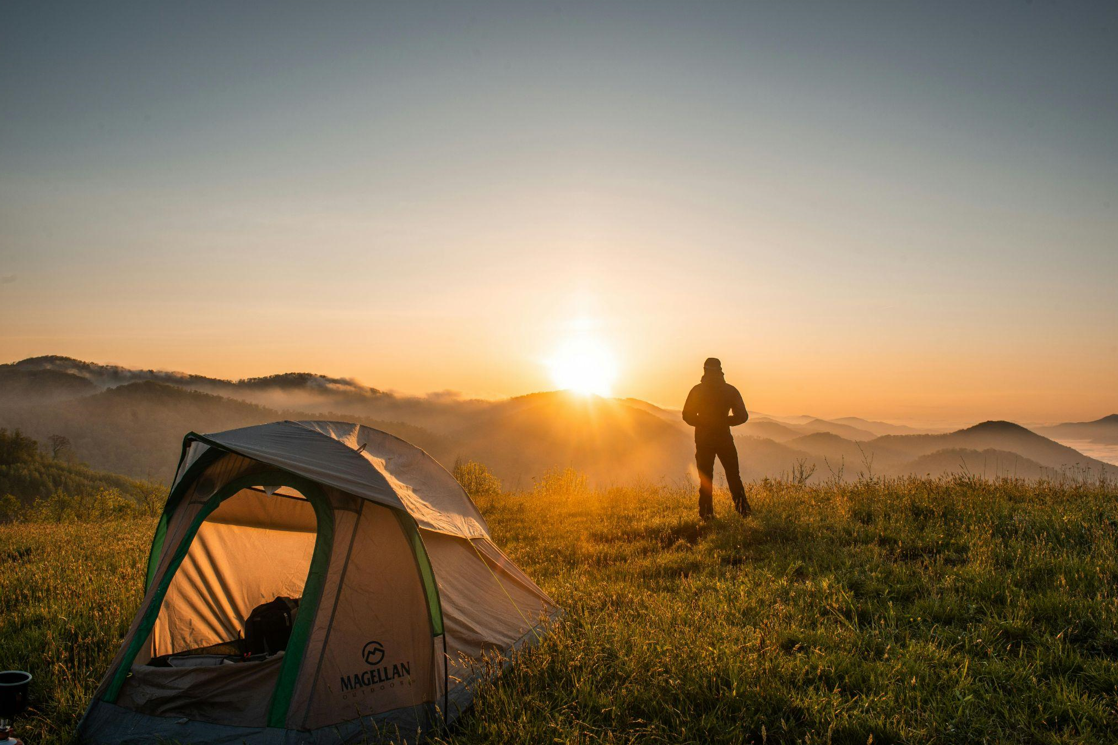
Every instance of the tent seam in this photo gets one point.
(333, 612)
(482, 522)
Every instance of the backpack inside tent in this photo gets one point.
(313, 582)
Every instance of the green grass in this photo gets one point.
(943, 611)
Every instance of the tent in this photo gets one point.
(404, 603)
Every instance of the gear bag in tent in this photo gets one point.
(268, 626)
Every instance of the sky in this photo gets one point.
(905, 211)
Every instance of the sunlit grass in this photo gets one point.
(914, 611)
(946, 611)
(68, 593)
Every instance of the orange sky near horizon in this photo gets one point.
(893, 212)
(800, 374)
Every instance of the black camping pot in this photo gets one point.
(13, 692)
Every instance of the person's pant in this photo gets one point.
(727, 453)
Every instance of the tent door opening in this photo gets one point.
(224, 634)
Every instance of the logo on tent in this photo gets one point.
(379, 677)
(373, 653)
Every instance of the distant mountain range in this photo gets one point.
(132, 422)
(1101, 431)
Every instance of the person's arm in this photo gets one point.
(690, 410)
(738, 414)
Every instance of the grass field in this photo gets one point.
(942, 611)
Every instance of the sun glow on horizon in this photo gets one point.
(583, 365)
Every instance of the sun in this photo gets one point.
(583, 365)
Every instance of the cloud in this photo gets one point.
(8, 279)
(444, 396)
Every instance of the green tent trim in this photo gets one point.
(195, 470)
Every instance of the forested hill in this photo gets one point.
(138, 428)
(32, 474)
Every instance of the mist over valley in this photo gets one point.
(132, 421)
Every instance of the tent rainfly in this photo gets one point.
(394, 600)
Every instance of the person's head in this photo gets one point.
(712, 367)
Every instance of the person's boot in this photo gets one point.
(743, 508)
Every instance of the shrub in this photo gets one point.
(476, 478)
(15, 448)
(10, 508)
(150, 498)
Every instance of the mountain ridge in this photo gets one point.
(1103, 431)
(131, 427)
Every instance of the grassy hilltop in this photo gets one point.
(913, 611)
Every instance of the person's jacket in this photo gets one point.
(713, 406)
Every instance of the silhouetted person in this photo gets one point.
(713, 406)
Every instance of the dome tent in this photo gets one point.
(403, 600)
